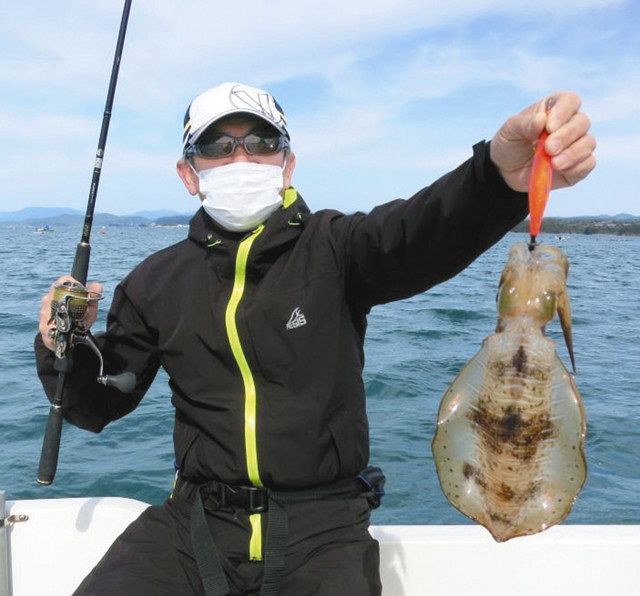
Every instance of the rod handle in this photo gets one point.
(50, 446)
(80, 267)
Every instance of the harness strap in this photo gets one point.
(204, 548)
(278, 526)
(206, 553)
(277, 534)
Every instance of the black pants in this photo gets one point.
(329, 553)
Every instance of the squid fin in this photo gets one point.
(564, 313)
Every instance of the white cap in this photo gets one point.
(226, 99)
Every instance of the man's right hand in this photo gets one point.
(569, 144)
(46, 323)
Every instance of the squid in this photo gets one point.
(509, 442)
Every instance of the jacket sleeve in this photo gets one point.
(404, 247)
(128, 345)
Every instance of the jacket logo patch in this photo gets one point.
(297, 319)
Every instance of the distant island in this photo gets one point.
(622, 224)
(60, 216)
(619, 225)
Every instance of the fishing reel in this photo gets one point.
(68, 310)
(73, 296)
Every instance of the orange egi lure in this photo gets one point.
(539, 187)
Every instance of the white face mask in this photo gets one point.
(240, 196)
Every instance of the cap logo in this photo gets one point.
(255, 102)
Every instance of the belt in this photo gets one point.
(216, 496)
(219, 496)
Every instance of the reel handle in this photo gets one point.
(124, 382)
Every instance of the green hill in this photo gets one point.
(619, 225)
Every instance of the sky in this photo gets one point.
(381, 97)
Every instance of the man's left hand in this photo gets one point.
(569, 144)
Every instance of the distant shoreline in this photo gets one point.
(617, 225)
(586, 225)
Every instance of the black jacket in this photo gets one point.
(265, 364)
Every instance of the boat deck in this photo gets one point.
(63, 538)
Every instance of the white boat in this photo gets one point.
(62, 539)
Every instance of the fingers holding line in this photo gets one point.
(565, 123)
(572, 130)
(572, 150)
(575, 153)
(560, 108)
(569, 143)
(95, 290)
(95, 294)
(552, 113)
(572, 175)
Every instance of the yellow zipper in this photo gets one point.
(250, 397)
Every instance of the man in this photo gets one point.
(259, 319)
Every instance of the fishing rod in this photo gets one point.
(71, 298)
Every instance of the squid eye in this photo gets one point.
(506, 299)
(546, 302)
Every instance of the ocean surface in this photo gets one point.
(414, 350)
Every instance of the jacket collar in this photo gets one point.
(283, 225)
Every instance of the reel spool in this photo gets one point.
(71, 298)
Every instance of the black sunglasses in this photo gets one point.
(254, 143)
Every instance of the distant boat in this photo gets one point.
(103, 231)
(44, 229)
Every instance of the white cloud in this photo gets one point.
(46, 130)
(372, 60)
(127, 160)
(617, 99)
(619, 150)
(169, 44)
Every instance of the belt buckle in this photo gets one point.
(254, 507)
(253, 499)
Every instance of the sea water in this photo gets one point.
(414, 350)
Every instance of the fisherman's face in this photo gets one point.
(235, 127)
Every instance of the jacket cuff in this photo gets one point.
(498, 191)
(48, 375)
(44, 356)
